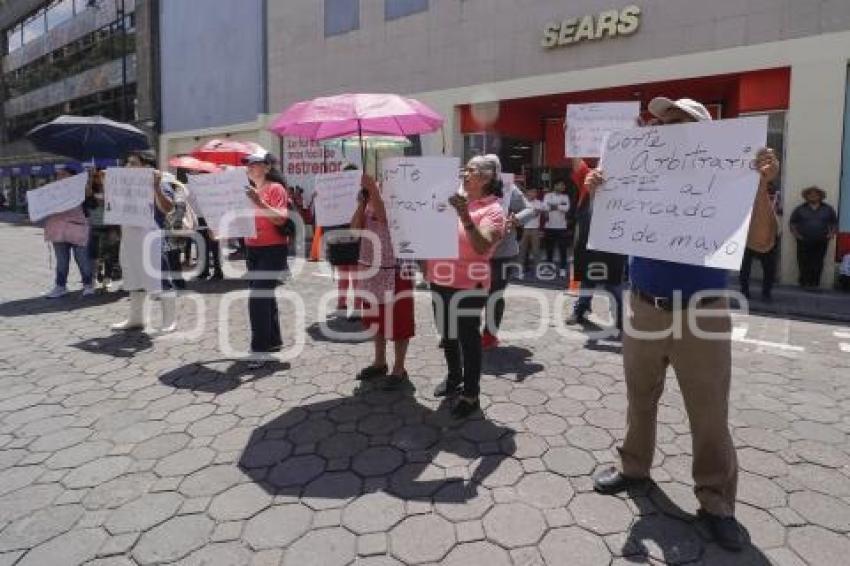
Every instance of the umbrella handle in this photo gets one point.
(443, 133)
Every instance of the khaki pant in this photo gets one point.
(530, 242)
(703, 370)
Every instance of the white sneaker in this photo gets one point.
(88, 291)
(57, 292)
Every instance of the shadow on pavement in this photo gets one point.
(117, 344)
(70, 302)
(338, 331)
(202, 377)
(375, 441)
(664, 532)
(508, 360)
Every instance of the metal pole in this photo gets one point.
(122, 19)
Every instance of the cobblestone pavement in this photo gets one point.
(120, 449)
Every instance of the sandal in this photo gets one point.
(371, 372)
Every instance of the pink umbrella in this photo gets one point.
(356, 115)
(193, 164)
(225, 152)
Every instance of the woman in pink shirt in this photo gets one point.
(460, 286)
(265, 255)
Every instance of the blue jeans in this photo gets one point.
(583, 303)
(63, 262)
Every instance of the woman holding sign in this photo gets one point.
(266, 254)
(386, 294)
(460, 286)
(141, 255)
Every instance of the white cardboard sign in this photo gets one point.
(682, 193)
(588, 124)
(416, 190)
(56, 197)
(336, 197)
(129, 197)
(223, 203)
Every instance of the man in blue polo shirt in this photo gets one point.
(665, 298)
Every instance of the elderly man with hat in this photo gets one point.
(813, 224)
(701, 356)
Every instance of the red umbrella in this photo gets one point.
(192, 164)
(225, 152)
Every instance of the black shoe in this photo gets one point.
(442, 343)
(611, 481)
(201, 276)
(725, 530)
(767, 297)
(396, 382)
(575, 319)
(371, 372)
(448, 388)
(217, 276)
(464, 408)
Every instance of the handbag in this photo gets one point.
(342, 247)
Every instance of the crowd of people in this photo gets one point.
(490, 216)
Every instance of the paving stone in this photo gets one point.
(161, 446)
(220, 554)
(477, 554)
(828, 512)
(74, 547)
(143, 513)
(416, 481)
(16, 478)
(569, 461)
(498, 471)
(120, 544)
(514, 525)
(373, 513)
(327, 518)
(377, 461)
(528, 556)
(24, 501)
(600, 514)
(422, 538)
(545, 490)
(343, 445)
(589, 437)
(764, 531)
(372, 544)
(41, 526)
(325, 547)
(332, 490)
(816, 545)
(469, 531)
(227, 531)
(506, 412)
(462, 501)
(762, 463)
(277, 527)
(185, 462)
(760, 492)
(582, 548)
(97, 472)
(415, 437)
(661, 538)
(173, 539)
(265, 453)
(296, 471)
(239, 502)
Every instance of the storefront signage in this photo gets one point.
(608, 24)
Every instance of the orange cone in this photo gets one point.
(316, 248)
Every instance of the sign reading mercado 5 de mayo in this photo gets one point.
(611, 23)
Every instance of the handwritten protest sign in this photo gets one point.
(128, 195)
(423, 225)
(588, 124)
(336, 197)
(682, 193)
(303, 159)
(223, 203)
(57, 197)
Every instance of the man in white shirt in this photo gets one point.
(532, 232)
(557, 205)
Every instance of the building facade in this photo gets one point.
(213, 73)
(81, 57)
(502, 71)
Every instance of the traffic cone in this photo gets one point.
(316, 248)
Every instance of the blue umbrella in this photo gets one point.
(86, 137)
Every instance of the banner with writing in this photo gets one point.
(416, 190)
(129, 197)
(221, 200)
(588, 124)
(303, 159)
(58, 196)
(681, 193)
(336, 197)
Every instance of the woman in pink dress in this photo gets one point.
(385, 291)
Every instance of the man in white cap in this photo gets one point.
(703, 364)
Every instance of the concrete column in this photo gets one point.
(813, 148)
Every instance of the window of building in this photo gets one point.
(59, 12)
(394, 9)
(341, 16)
(14, 38)
(34, 27)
